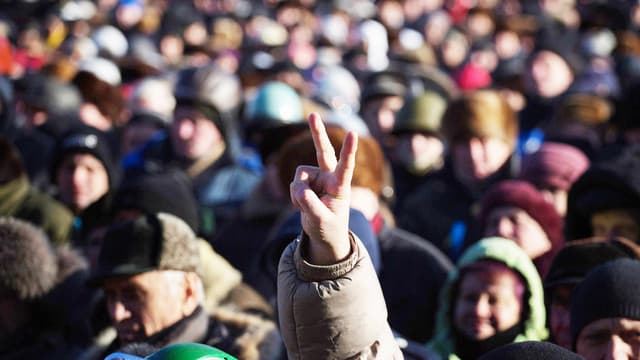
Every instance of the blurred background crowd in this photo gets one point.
(144, 138)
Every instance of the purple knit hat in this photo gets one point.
(554, 165)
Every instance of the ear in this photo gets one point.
(193, 293)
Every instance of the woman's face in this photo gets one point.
(516, 224)
(488, 303)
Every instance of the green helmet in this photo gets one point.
(275, 104)
(189, 351)
(422, 113)
(182, 351)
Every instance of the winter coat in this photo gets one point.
(58, 328)
(412, 273)
(223, 285)
(220, 184)
(442, 209)
(20, 200)
(334, 311)
(612, 182)
(507, 252)
(242, 335)
(242, 241)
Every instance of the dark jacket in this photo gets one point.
(20, 200)
(220, 187)
(442, 209)
(58, 329)
(612, 182)
(244, 238)
(412, 302)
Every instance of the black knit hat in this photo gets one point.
(610, 290)
(574, 261)
(86, 139)
(169, 192)
(530, 350)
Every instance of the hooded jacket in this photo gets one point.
(508, 253)
(21, 200)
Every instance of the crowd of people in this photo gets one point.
(305, 179)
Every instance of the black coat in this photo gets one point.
(411, 275)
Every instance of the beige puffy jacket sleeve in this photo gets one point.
(335, 311)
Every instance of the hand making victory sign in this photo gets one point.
(322, 195)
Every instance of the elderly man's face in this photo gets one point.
(615, 222)
(610, 338)
(142, 305)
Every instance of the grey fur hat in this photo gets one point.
(147, 243)
(28, 263)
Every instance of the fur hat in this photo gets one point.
(28, 264)
(572, 263)
(554, 165)
(480, 113)
(147, 243)
(369, 170)
(611, 290)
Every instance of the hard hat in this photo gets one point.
(275, 104)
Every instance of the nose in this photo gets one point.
(477, 151)
(186, 128)
(482, 308)
(78, 176)
(118, 311)
(505, 227)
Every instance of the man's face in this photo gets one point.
(478, 158)
(419, 153)
(610, 338)
(81, 179)
(192, 134)
(549, 75)
(380, 114)
(516, 224)
(559, 317)
(142, 305)
(615, 222)
(487, 303)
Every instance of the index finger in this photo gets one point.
(325, 154)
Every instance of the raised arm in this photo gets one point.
(322, 195)
(330, 305)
